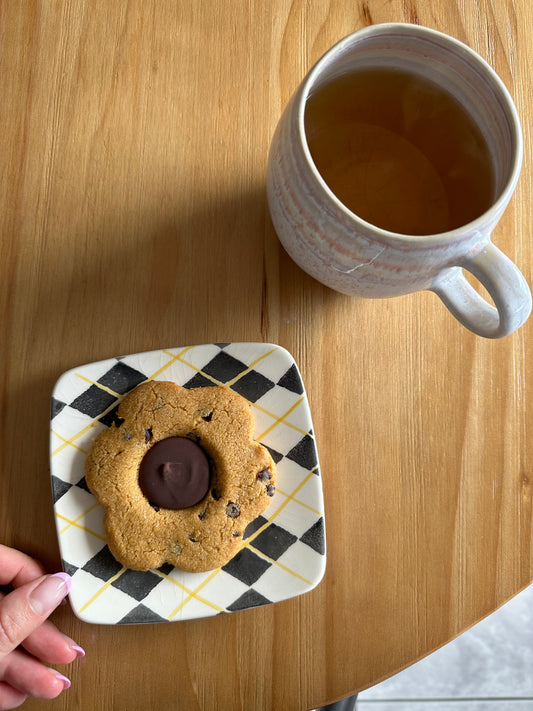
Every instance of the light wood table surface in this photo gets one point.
(134, 140)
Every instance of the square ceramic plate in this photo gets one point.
(283, 552)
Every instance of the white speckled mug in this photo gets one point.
(351, 255)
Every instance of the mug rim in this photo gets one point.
(479, 223)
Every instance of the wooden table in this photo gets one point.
(133, 152)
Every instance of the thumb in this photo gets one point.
(26, 608)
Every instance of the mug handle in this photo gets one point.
(505, 284)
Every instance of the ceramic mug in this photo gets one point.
(352, 256)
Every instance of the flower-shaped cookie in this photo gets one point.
(179, 446)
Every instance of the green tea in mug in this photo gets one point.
(399, 151)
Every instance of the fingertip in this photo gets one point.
(28, 676)
(63, 680)
(65, 577)
(74, 651)
(47, 595)
(53, 687)
(51, 646)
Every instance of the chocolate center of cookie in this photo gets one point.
(174, 473)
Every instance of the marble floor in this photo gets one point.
(488, 668)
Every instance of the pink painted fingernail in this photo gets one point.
(49, 593)
(66, 682)
(80, 652)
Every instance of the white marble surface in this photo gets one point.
(488, 667)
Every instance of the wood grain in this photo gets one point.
(133, 154)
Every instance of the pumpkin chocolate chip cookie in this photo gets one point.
(180, 476)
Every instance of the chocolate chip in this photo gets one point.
(216, 493)
(264, 475)
(147, 435)
(192, 539)
(202, 514)
(237, 534)
(208, 417)
(192, 435)
(270, 489)
(127, 435)
(232, 510)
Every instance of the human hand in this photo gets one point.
(27, 639)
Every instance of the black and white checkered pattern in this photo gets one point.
(283, 551)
